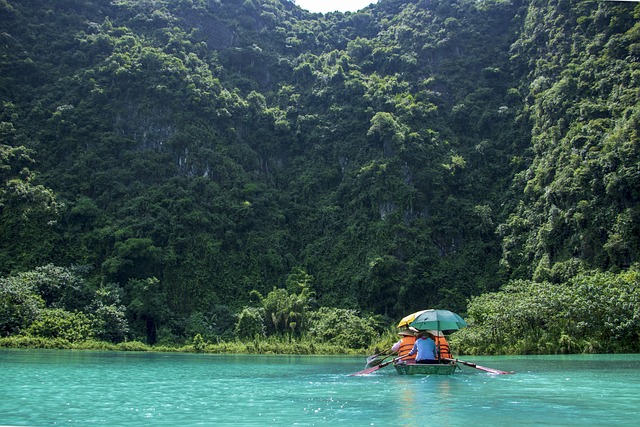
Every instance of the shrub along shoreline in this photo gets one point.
(266, 346)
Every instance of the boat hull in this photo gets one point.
(420, 369)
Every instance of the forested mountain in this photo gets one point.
(180, 154)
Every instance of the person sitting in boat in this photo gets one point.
(444, 352)
(425, 349)
(404, 345)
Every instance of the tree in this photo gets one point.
(109, 314)
(284, 311)
(20, 305)
(250, 323)
(343, 327)
(28, 213)
(59, 323)
(386, 131)
(146, 307)
(60, 287)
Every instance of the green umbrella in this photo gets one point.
(439, 320)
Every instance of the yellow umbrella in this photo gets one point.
(410, 318)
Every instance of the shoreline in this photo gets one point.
(233, 347)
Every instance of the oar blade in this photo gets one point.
(492, 370)
(374, 368)
(367, 371)
(380, 366)
(481, 368)
(376, 359)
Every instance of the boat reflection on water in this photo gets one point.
(426, 398)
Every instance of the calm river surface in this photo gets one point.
(54, 387)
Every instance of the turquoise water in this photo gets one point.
(42, 387)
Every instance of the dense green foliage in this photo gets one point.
(579, 197)
(598, 313)
(229, 169)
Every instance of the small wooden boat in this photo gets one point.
(423, 369)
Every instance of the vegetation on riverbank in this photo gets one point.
(264, 346)
(54, 307)
(597, 313)
(594, 313)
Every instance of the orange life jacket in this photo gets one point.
(406, 344)
(443, 348)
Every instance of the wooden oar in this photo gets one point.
(375, 368)
(482, 368)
